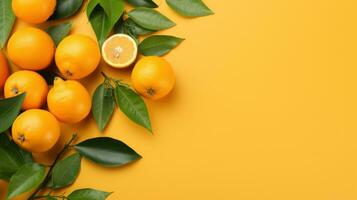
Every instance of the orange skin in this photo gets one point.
(30, 82)
(77, 56)
(153, 77)
(36, 130)
(69, 101)
(33, 11)
(4, 70)
(31, 48)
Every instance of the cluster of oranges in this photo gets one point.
(76, 56)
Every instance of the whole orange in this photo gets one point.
(30, 82)
(69, 101)
(77, 56)
(33, 11)
(31, 48)
(153, 77)
(36, 130)
(4, 70)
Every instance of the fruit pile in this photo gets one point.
(35, 104)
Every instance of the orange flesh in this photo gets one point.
(119, 50)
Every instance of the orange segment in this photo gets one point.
(119, 50)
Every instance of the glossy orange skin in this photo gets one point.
(77, 56)
(30, 82)
(33, 11)
(153, 77)
(4, 70)
(36, 130)
(69, 101)
(31, 48)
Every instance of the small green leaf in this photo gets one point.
(130, 27)
(133, 106)
(143, 3)
(190, 8)
(150, 19)
(9, 109)
(28, 177)
(88, 194)
(103, 105)
(7, 20)
(158, 45)
(58, 32)
(12, 157)
(107, 151)
(66, 8)
(65, 171)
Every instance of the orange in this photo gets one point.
(4, 70)
(33, 11)
(119, 51)
(69, 101)
(30, 82)
(36, 130)
(77, 56)
(31, 48)
(153, 77)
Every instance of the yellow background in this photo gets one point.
(264, 108)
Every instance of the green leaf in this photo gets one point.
(103, 105)
(50, 198)
(190, 8)
(65, 171)
(7, 20)
(28, 177)
(103, 15)
(12, 157)
(150, 19)
(107, 151)
(66, 8)
(58, 32)
(130, 27)
(158, 45)
(133, 106)
(9, 109)
(88, 194)
(143, 3)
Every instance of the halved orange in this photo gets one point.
(119, 50)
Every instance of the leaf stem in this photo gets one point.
(48, 176)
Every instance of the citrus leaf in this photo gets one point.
(103, 105)
(150, 19)
(66, 8)
(12, 157)
(28, 177)
(100, 24)
(158, 45)
(107, 151)
(129, 26)
(9, 109)
(143, 3)
(91, 5)
(133, 106)
(65, 171)
(114, 10)
(88, 194)
(7, 20)
(58, 32)
(190, 8)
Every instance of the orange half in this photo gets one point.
(119, 50)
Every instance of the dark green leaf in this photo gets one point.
(59, 32)
(190, 8)
(107, 151)
(91, 5)
(9, 109)
(133, 106)
(88, 194)
(150, 19)
(66, 8)
(100, 24)
(130, 27)
(7, 20)
(28, 177)
(103, 105)
(143, 3)
(158, 45)
(65, 171)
